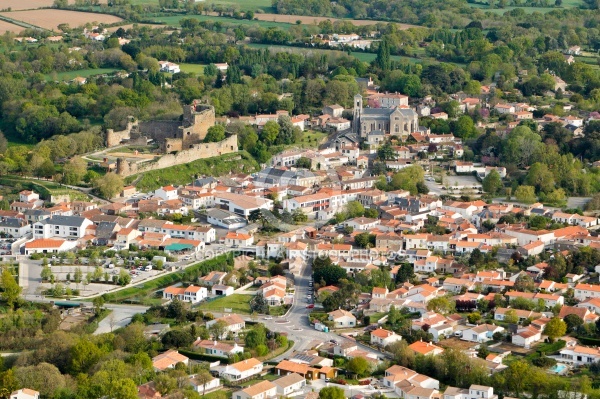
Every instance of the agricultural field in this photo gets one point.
(174, 21)
(50, 19)
(85, 73)
(528, 10)
(291, 19)
(129, 26)
(249, 5)
(8, 27)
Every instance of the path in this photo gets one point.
(85, 190)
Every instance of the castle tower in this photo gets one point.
(358, 107)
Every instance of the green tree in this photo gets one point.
(331, 393)
(304, 162)
(259, 304)
(98, 303)
(354, 209)
(441, 305)
(10, 288)
(215, 134)
(524, 283)
(202, 378)
(383, 60)
(525, 194)
(218, 329)
(492, 183)
(555, 328)
(46, 273)
(573, 322)
(511, 316)
(108, 185)
(359, 366)
(256, 336)
(269, 133)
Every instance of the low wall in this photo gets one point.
(199, 151)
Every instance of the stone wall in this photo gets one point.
(198, 151)
(115, 138)
(160, 130)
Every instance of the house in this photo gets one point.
(526, 337)
(334, 110)
(192, 294)
(234, 323)
(242, 370)
(290, 383)
(474, 392)
(203, 388)
(67, 227)
(14, 227)
(396, 375)
(425, 348)
(585, 291)
(213, 278)
(166, 193)
(260, 390)
(523, 315)
(225, 219)
(170, 67)
(48, 246)
(481, 333)
(580, 355)
(240, 204)
(216, 348)
(238, 239)
(220, 289)
(504, 108)
(25, 393)
(383, 337)
(148, 391)
(168, 360)
(342, 318)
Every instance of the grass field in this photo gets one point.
(183, 174)
(174, 21)
(84, 73)
(366, 57)
(246, 5)
(238, 303)
(198, 69)
(311, 139)
(528, 10)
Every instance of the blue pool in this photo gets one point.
(559, 368)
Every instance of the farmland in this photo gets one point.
(50, 19)
(291, 19)
(175, 21)
(8, 27)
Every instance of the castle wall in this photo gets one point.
(199, 151)
(115, 138)
(160, 130)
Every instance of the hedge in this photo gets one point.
(589, 341)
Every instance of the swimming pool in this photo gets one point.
(559, 368)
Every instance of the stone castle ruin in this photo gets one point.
(178, 141)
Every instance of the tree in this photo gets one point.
(524, 283)
(492, 182)
(177, 339)
(386, 152)
(256, 336)
(45, 378)
(10, 288)
(46, 273)
(218, 329)
(298, 216)
(573, 321)
(511, 316)
(474, 317)
(202, 378)
(304, 162)
(331, 393)
(259, 304)
(365, 240)
(98, 304)
(441, 305)
(359, 366)
(108, 185)
(269, 133)
(354, 209)
(215, 134)
(555, 328)
(383, 60)
(525, 194)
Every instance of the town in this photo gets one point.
(277, 199)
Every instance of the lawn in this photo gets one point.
(84, 73)
(198, 69)
(174, 21)
(245, 5)
(501, 11)
(238, 303)
(311, 139)
(183, 174)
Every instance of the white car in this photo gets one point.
(268, 318)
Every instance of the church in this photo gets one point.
(394, 121)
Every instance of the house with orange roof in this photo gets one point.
(242, 370)
(192, 294)
(425, 348)
(585, 291)
(580, 355)
(592, 304)
(234, 323)
(168, 360)
(25, 393)
(238, 239)
(166, 193)
(260, 390)
(342, 318)
(48, 246)
(383, 338)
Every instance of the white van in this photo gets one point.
(111, 266)
(148, 268)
